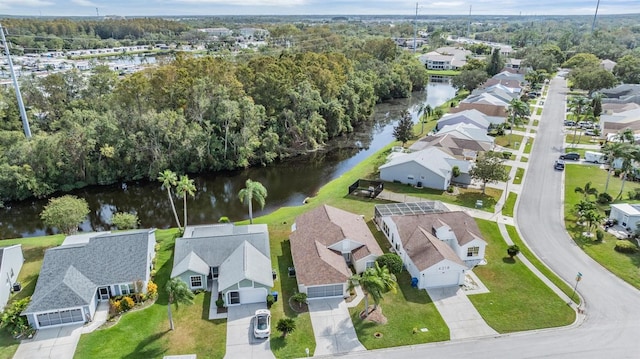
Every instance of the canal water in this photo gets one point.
(288, 182)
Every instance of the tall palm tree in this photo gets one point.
(185, 188)
(179, 293)
(612, 150)
(578, 106)
(169, 179)
(628, 158)
(587, 191)
(592, 217)
(253, 190)
(374, 282)
(518, 110)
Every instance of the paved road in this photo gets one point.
(612, 306)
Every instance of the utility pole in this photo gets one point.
(415, 29)
(469, 24)
(23, 112)
(593, 25)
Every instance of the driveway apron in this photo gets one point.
(332, 327)
(240, 340)
(461, 316)
(54, 343)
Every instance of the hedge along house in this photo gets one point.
(88, 269)
(226, 259)
(437, 249)
(324, 242)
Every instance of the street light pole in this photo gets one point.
(578, 278)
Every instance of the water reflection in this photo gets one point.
(288, 182)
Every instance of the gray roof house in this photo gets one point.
(467, 131)
(324, 242)
(11, 260)
(471, 116)
(459, 148)
(88, 269)
(233, 261)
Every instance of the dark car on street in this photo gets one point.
(573, 156)
(559, 165)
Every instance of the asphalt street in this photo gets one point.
(612, 323)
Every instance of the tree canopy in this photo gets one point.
(65, 213)
(489, 169)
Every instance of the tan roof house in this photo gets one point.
(324, 242)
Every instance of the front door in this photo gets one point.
(103, 293)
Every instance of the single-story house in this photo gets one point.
(615, 123)
(513, 63)
(473, 117)
(484, 102)
(467, 131)
(324, 242)
(431, 168)
(88, 269)
(460, 148)
(623, 93)
(436, 248)
(627, 215)
(11, 260)
(445, 58)
(608, 64)
(233, 261)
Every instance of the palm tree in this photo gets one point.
(612, 150)
(587, 190)
(253, 190)
(628, 158)
(185, 188)
(179, 293)
(592, 217)
(518, 110)
(286, 326)
(374, 282)
(578, 106)
(169, 179)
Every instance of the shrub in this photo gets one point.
(286, 326)
(626, 246)
(152, 289)
(300, 298)
(116, 308)
(224, 219)
(12, 321)
(219, 302)
(634, 194)
(450, 189)
(599, 235)
(392, 261)
(270, 300)
(126, 303)
(604, 198)
(513, 250)
(506, 155)
(123, 220)
(455, 171)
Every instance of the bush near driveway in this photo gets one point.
(516, 295)
(623, 265)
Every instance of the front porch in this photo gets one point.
(212, 286)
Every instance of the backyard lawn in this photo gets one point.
(466, 198)
(516, 294)
(625, 266)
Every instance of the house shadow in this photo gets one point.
(288, 285)
(411, 294)
(163, 275)
(142, 351)
(509, 260)
(206, 305)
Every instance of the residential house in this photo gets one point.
(233, 261)
(608, 64)
(510, 74)
(11, 260)
(445, 58)
(487, 103)
(88, 269)
(437, 248)
(514, 85)
(472, 117)
(513, 64)
(614, 123)
(467, 131)
(431, 168)
(624, 93)
(460, 148)
(627, 215)
(325, 241)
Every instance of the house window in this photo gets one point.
(473, 251)
(127, 289)
(214, 272)
(370, 264)
(196, 281)
(410, 177)
(234, 297)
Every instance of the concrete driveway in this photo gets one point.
(332, 327)
(54, 343)
(461, 316)
(240, 340)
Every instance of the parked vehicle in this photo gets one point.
(590, 132)
(559, 165)
(573, 156)
(594, 157)
(262, 323)
(569, 123)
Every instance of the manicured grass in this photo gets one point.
(519, 175)
(509, 204)
(507, 168)
(528, 146)
(524, 159)
(405, 310)
(536, 122)
(443, 72)
(466, 198)
(623, 265)
(145, 333)
(516, 294)
(583, 140)
(508, 140)
(539, 111)
(525, 251)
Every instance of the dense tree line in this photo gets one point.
(195, 114)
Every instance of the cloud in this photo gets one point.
(84, 3)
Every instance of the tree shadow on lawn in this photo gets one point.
(162, 276)
(509, 260)
(288, 285)
(142, 352)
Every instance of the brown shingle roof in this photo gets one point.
(425, 250)
(489, 110)
(463, 225)
(320, 228)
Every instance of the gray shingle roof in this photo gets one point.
(246, 262)
(70, 274)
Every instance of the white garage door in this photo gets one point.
(253, 295)
(440, 279)
(60, 318)
(322, 291)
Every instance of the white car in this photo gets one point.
(262, 323)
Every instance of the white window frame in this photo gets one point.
(198, 278)
(370, 264)
(127, 289)
(473, 251)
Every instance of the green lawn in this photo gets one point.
(466, 198)
(517, 296)
(536, 122)
(528, 146)
(519, 175)
(509, 204)
(524, 159)
(625, 266)
(508, 140)
(443, 72)
(539, 111)
(581, 139)
(524, 250)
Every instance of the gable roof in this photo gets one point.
(453, 145)
(467, 131)
(471, 116)
(245, 262)
(191, 263)
(317, 230)
(70, 274)
(431, 158)
(464, 227)
(425, 250)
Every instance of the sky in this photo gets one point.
(312, 7)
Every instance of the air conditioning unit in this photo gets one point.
(16, 287)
